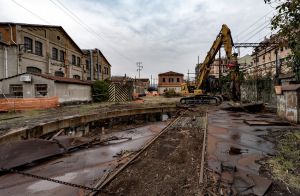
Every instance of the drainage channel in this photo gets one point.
(82, 168)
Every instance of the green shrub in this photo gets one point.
(100, 91)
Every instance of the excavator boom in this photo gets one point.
(223, 38)
(203, 69)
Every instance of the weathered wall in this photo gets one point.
(12, 60)
(258, 90)
(288, 106)
(73, 92)
(28, 87)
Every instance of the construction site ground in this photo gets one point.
(205, 150)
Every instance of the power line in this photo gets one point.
(254, 23)
(30, 12)
(254, 30)
(260, 30)
(86, 26)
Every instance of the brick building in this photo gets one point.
(266, 58)
(169, 80)
(42, 49)
(97, 66)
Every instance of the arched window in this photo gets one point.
(59, 74)
(76, 77)
(33, 70)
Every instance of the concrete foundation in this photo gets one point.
(81, 125)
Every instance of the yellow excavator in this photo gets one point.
(199, 95)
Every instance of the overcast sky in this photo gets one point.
(165, 35)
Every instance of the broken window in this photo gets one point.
(27, 44)
(33, 70)
(38, 48)
(0, 36)
(164, 79)
(16, 90)
(54, 53)
(178, 79)
(41, 90)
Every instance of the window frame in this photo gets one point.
(54, 53)
(43, 89)
(33, 69)
(73, 59)
(28, 44)
(61, 56)
(13, 91)
(59, 74)
(77, 77)
(78, 61)
(38, 51)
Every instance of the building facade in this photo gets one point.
(41, 49)
(35, 85)
(169, 81)
(265, 59)
(97, 66)
(218, 67)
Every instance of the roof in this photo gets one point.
(143, 79)
(44, 26)
(170, 73)
(87, 51)
(54, 78)
(290, 87)
(120, 78)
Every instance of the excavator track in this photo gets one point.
(202, 100)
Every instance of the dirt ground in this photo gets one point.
(165, 168)
(284, 168)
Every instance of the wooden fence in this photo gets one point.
(120, 93)
(17, 104)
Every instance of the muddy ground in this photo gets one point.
(170, 166)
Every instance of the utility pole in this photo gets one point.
(139, 68)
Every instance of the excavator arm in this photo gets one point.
(223, 38)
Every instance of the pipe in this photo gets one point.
(91, 65)
(11, 34)
(5, 63)
(98, 72)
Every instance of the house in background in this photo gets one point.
(43, 49)
(216, 66)
(97, 66)
(168, 81)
